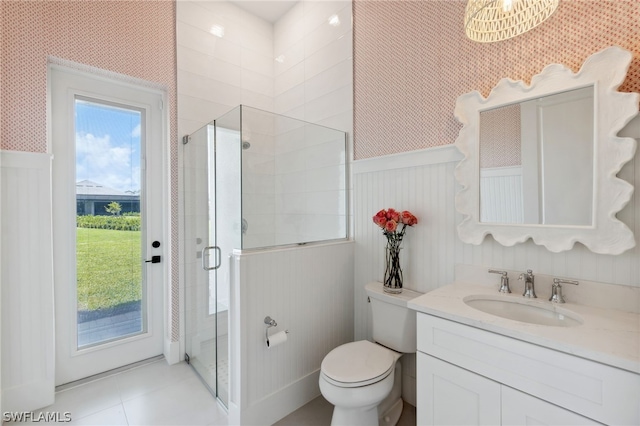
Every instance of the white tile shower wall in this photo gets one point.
(225, 58)
(311, 80)
(308, 292)
(432, 248)
(313, 70)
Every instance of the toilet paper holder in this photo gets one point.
(270, 322)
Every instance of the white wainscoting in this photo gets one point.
(423, 182)
(308, 291)
(28, 368)
(501, 200)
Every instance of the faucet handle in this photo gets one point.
(556, 289)
(504, 280)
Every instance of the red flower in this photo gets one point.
(391, 226)
(380, 218)
(408, 219)
(389, 220)
(393, 215)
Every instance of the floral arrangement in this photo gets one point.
(393, 224)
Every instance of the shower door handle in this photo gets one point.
(205, 256)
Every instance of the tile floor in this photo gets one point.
(152, 394)
(162, 394)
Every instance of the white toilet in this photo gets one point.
(363, 379)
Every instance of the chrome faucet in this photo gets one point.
(504, 281)
(556, 290)
(529, 290)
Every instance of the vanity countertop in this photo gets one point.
(607, 336)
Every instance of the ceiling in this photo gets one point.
(269, 10)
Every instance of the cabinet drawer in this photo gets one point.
(521, 409)
(594, 390)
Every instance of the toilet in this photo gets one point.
(363, 379)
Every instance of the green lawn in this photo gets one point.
(109, 268)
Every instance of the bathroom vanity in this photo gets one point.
(475, 367)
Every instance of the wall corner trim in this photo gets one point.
(422, 157)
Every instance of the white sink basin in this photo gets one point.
(524, 310)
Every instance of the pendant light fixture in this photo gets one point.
(487, 21)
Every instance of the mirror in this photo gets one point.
(536, 160)
(540, 160)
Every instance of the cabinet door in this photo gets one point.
(522, 409)
(450, 395)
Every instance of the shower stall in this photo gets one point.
(253, 181)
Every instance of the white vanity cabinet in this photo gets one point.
(450, 395)
(467, 375)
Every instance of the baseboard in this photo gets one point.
(282, 403)
(28, 397)
(171, 351)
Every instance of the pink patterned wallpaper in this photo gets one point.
(412, 60)
(134, 38)
(500, 134)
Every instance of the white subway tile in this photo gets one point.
(256, 100)
(289, 79)
(208, 66)
(290, 27)
(342, 121)
(206, 43)
(290, 99)
(326, 179)
(260, 63)
(324, 155)
(340, 100)
(292, 139)
(290, 182)
(327, 81)
(222, 8)
(258, 203)
(326, 202)
(290, 162)
(256, 82)
(288, 57)
(198, 86)
(325, 33)
(291, 203)
(254, 182)
(200, 109)
(329, 55)
(318, 12)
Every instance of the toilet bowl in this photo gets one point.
(362, 379)
(356, 377)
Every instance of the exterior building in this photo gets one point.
(92, 198)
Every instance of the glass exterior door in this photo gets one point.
(108, 215)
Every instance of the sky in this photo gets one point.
(108, 145)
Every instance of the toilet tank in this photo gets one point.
(394, 325)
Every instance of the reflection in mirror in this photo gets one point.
(536, 160)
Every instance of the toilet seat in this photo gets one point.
(357, 364)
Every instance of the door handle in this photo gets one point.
(205, 256)
(154, 259)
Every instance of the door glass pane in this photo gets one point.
(110, 277)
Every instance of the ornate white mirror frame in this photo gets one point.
(604, 71)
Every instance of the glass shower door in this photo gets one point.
(226, 230)
(212, 230)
